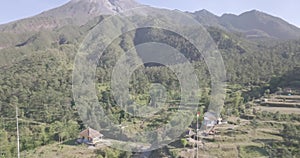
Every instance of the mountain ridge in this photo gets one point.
(257, 20)
(75, 12)
(252, 24)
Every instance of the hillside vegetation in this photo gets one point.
(36, 76)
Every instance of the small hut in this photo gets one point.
(90, 136)
(210, 119)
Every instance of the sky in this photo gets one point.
(289, 10)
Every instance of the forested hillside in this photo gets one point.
(36, 76)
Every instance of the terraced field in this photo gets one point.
(283, 110)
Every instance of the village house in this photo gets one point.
(210, 120)
(90, 136)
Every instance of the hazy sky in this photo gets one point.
(289, 10)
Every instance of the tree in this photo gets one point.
(238, 99)
(184, 142)
(44, 135)
(277, 116)
(72, 128)
(57, 130)
(267, 92)
(254, 124)
(290, 134)
(4, 145)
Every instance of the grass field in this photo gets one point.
(283, 110)
(60, 151)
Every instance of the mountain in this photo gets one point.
(206, 18)
(37, 62)
(256, 23)
(84, 10)
(75, 12)
(253, 24)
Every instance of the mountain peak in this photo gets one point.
(255, 21)
(75, 12)
(97, 1)
(253, 13)
(203, 11)
(206, 18)
(87, 9)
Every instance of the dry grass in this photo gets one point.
(60, 151)
(283, 110)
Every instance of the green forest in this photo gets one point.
(36, 76)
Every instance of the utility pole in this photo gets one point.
(18, 135)
(197, 136)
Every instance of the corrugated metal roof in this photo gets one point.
(210, 116)
(90, 133)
